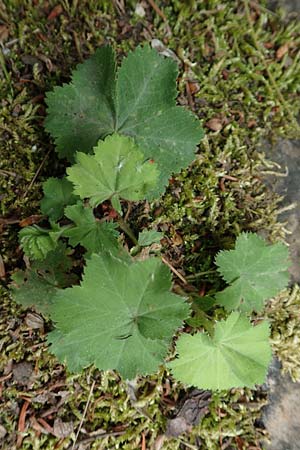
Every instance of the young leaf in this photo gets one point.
(89, 232)
(140, 104)
(255, 271)
(82, 112)
(123, 316)
(36, 286)
(148, 237)
(116, 170)
(237, 355)
(58, 193)
(37, 242)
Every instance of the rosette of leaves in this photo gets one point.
(137, 100)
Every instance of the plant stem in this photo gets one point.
(125, 227)
(199, 274)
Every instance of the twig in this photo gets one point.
(77, 45)
(21, 422)
(199, 274)
(178, 274)
(157, 10)
(36, 173)
(160, 13)
(98, 436)
(128, 231)
(84, 413)
(143, 442)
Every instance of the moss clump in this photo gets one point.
(226, 55)
(283, 312)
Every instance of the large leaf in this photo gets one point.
(92, 234)
(58, 193)
(82, 112)
(116, 170)
(122, 317)
(37, 285)
(255, 271)
(238, 355)
(140, 104)
(146, 109)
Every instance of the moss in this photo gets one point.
(283, 312)
(226, 59)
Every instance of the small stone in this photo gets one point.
(176, 426)
(214, 124)
(62, 429)
(139, 10)
(22, 373)
(3, 432)
(34, 321)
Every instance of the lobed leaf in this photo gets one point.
(37, 285)
(238, 355)
(140, 103)
(82, 112)
(92, 234)
(116, 170)
(148, 237)
(37, 242)
(58, 193)
(122, 317)
(255, 271)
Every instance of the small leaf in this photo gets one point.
(255, 271)
(82, 112)
(90, 232)
(36, 286)
(58, 193)
(148, 237)
(36, 242)
(123, 316)
(116, 170)
(237, 356)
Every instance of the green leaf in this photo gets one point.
(92, 234)
(123, 316)
(237, 355)
(37, 242)
(146, 109)
(82, 112)
(36, 286)
(116, 170)
(148, 237)
(58, 193)
(255, 271)
(140, 104)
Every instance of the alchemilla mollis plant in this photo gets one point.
(124, 136)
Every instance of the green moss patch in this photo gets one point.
(239, 72)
